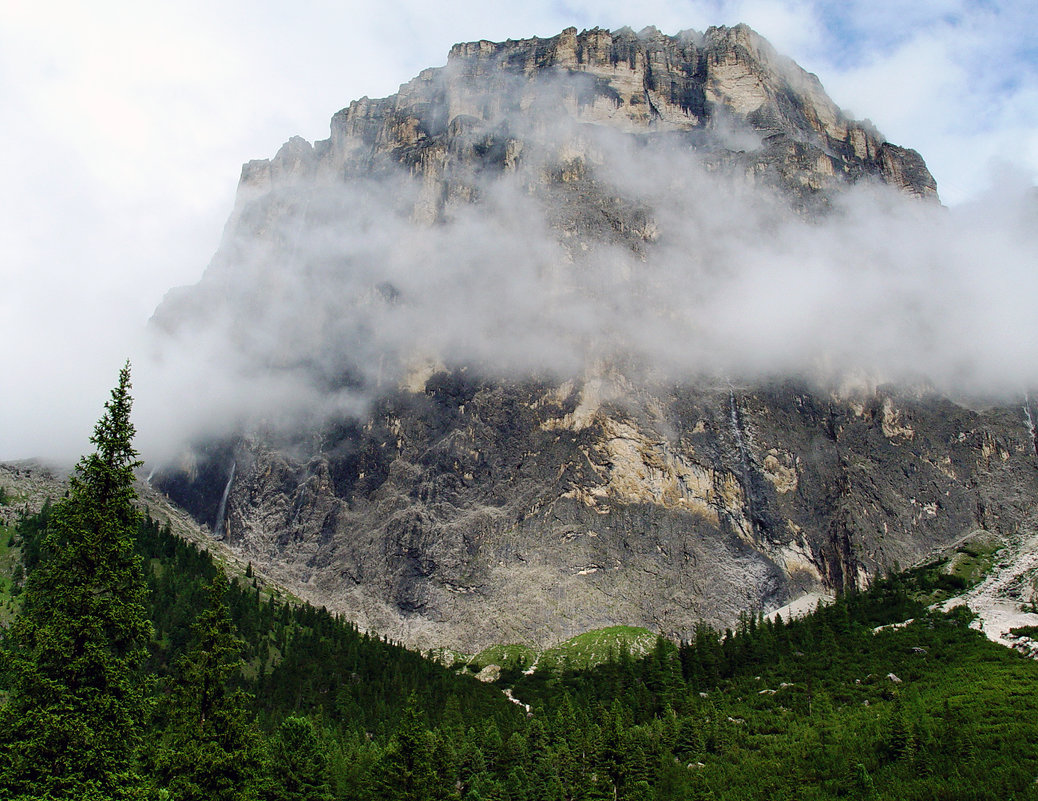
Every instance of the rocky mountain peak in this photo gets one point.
(508, 350)
(701, 85)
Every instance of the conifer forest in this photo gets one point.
(138, 667)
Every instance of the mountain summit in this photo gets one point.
(605, 328)
(725, 91)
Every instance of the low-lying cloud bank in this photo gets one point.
(326, 293)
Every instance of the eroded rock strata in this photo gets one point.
(463, 505)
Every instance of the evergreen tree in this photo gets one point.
(211, 749)
(407, 770)
(689, 745)
(298, 763)
(445, 764)
(72, 725)
(471, 762)
(516, 784)
(638, 759)
(612, 755)
(901, 736)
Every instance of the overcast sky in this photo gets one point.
(125, 124)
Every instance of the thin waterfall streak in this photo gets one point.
(1029, 418)
(222, 508)
(744, 461)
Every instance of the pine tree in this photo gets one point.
(900, 734)
(689, 745)
(612, 756)
(639, 757)
(516, 784)
(211, 749)
(299, 763)
(72, 726)
(406, 770)
(445, 765)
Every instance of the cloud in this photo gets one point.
(126, 124)
(328, 293)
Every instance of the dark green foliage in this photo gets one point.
(212, 748)
(73, 723)
(298, 763)
(759, 713)
(770, 710)
(406, 769)
(689, 745)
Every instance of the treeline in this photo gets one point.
(818, 707)
(298, 658)
(137, 670)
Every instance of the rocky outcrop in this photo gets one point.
(462, 503)
(725, 90)
(472, 512)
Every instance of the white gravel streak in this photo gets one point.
(1000, 599)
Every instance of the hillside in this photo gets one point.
(242, 693)
(837, 703)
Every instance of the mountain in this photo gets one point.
(526, 349)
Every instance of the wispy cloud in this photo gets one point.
(317, 305)
(125, 125)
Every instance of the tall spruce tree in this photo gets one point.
(211, 750)
(298, 763)
(72, 725)
(406, 769)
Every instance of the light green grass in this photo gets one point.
(583, 651)
(505, 656)
(10, 558)
(595, 647)
(973, 559)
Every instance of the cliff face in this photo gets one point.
(475, 512)
(467, 493)
(725, 91)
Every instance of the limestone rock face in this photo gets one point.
(472, 512)
(699, 86)
(462, 505)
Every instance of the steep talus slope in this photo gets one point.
(539, 473)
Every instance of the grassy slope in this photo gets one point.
(9, 559)
(594, 647)
(583, 651)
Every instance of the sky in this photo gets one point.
(125, 124)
